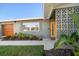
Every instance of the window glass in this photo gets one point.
(31, 26)
(52, 29)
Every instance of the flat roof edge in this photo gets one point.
(11, 20)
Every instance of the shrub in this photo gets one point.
(69, 41)
(34, 37)
(7, 38)
(30, 37)
(21, 36)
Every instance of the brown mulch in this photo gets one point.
(58, 52)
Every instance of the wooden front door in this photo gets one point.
(53, 29)
(7, 29)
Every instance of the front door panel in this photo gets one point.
(7, 29)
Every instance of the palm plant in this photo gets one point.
(69, 41)
(75, 19)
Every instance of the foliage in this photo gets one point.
(14, 37)
(62, 39)
(33, 37)
(21, 36)
(69, 41)
(75, 19)
(7, 37)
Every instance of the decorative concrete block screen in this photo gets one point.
(64, 21)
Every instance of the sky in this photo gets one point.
(20, 10)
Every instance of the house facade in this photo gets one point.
(35, 26)
(55, 21)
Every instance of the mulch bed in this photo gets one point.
(58, 52)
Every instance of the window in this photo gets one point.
(52, 29)
(31, 26)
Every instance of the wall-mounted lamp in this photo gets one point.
(14, 21)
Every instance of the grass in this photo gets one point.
(76, 53)
(21, 50)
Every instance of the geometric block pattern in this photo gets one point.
(64, 21)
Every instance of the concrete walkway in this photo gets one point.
(48, 44)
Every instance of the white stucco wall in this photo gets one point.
(44, 29)
(0, 31)
(16, 27)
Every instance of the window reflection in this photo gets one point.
(31, 26)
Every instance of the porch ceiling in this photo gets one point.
(48, 7)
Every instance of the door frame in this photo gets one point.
(53, 24)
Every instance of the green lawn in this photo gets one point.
(21, 50)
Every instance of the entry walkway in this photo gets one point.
(48, 43)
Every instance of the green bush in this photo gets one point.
(70, 41)
(21, 36)
(33, 37)
(14, 37)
